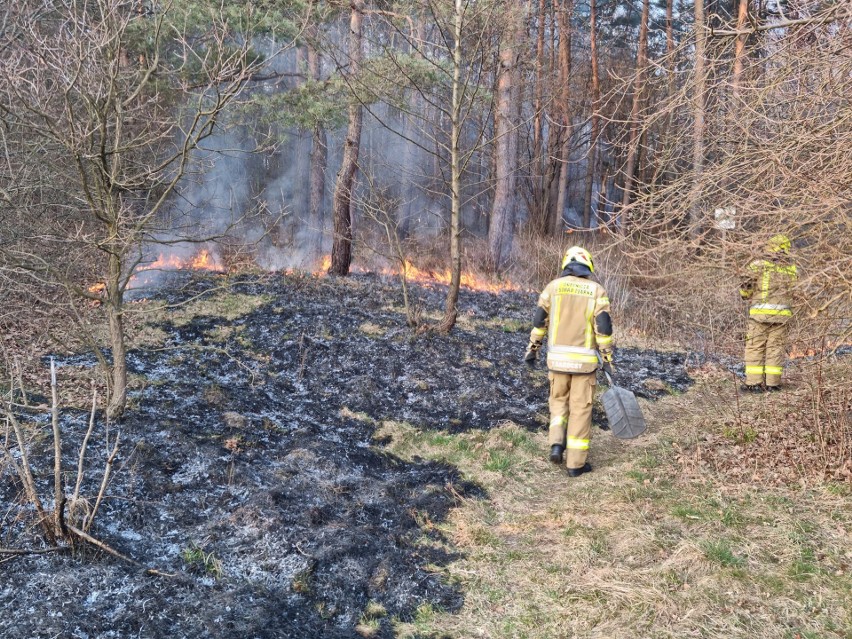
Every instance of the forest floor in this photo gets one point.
(305, 466)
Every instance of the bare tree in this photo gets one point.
(104, 108)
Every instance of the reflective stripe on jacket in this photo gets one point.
(770, 287)
(572, 304)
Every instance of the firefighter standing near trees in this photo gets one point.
(573, 312)
(768, 285)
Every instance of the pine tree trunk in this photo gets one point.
(341, 249)
(594, 125)
(638, 86)
(700, 108)
(564, 20)
(319, 159)
(540, 192)
(502, 225)
(739, 47)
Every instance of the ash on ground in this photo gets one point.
(249, 467)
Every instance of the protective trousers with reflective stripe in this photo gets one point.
(571, 396)
(764, 352)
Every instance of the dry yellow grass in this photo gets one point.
(652, 544)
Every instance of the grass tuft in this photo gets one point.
(720, 552)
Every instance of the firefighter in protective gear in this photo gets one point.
(573, 312)
(768, 286)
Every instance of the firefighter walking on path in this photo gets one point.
(768, 285)
(573, 312)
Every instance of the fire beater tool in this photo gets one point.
(622, 411)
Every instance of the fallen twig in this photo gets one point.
(35, 551)
(112, 551)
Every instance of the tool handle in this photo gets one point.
(605, 371)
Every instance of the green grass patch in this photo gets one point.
(688, 513)
(514, 326)
(803, 569)
(649, 461)
(839, 489)
(228, 306)
(720, 552)
(521, 439)
(206, 562)
(499, 461)
(638, 475)
(733, 518)
(740, 435)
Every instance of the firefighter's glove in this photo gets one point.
(532, 353)
(606, 356)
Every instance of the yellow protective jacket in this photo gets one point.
(576, 321)
(769, 285)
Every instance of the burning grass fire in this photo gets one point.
(145, 274)
(204, 260)
(469, 280)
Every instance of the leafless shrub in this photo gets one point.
(73, 513)
(774, 150)
(104, 109)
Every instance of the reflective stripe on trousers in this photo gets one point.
(571, 414)
(764, 352)
(577, 444)
(770, 309)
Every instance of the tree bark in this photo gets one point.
(501, 228)
(341, 250)
(739, 47)
(319, 156)
(638, 86)
(451, 308)
(540, 200)
(115, 316)
(539, 82)
(595, 122)
(566, 8)
(699, 112)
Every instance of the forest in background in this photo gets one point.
(265, 268)
(672, 139)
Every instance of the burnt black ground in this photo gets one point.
(309, 518)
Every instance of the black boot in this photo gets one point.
(576, 472)
(556, 453)
(752, 388)
(773, 388)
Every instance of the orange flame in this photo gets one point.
(204, 260)
(422, 276)
(467, 280)
(97, 288)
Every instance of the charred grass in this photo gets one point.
(311, 468)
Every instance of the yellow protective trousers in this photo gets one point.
(764, 352)
(571, 398)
